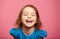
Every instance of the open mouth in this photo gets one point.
(29, 21)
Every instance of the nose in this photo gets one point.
(29, 16)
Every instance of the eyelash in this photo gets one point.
(33, 15)
(26, 15)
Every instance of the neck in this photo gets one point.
(27, 30)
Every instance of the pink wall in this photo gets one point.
(48, 10)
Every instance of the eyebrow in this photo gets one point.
(31, 13)
(26, 12)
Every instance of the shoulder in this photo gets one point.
(42, 33)
(14, 32)
(15, 29)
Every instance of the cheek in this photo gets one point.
(35, 18)
(23, 18)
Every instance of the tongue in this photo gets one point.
(28, 21)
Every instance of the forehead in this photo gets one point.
(29, 9)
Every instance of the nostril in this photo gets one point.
(29, 17)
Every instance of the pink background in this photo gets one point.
(48, 11)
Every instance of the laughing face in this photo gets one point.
(29, 16)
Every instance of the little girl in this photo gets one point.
(28, 24)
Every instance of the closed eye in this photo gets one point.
(25, 14)
(33, 15)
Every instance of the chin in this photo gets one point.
(29, 26)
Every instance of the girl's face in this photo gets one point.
(29, 16)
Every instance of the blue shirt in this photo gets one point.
(18, 33)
